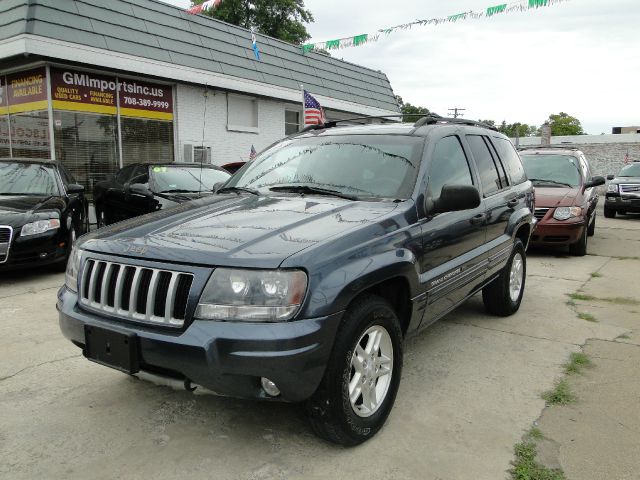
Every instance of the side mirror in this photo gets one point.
(454, 198)
(74, 188)
(595, 182)
(140, 190)
(610, 177)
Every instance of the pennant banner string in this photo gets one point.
(357, 40)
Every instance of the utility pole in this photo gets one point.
(457, 112)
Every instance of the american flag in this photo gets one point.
(313, 112)
(203, 6)
(252, 153)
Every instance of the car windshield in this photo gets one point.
(186, 178)
(18, 178)
(552, 170)
(632, 170)
(362, 166)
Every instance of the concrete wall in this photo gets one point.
(606, 153)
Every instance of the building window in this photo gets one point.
(5, 151)
(30, 134)
(291, 122)
(146, 140)
(87, 144)
(242, 114)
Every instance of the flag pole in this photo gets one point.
(304, 122)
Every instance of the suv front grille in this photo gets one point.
(141, 294)
(5, 242)
(630, 188)
(540, 213)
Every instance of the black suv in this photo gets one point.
(623, 192)
(300, 278)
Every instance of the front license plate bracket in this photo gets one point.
(111, 348)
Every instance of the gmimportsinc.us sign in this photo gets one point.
(89, 92)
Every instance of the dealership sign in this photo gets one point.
(88, 92)
(25, 91)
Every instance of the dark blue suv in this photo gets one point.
(300, 278)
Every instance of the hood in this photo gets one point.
(17, 210)
(231, 230)
(619, 180)
(550, 197)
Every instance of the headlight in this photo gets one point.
(252, 295)
(40, 226)
(612, 188)
(71, 274)
(565, 213)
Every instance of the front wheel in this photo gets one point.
(609, 212)
(579, 249)
(363, 374)
(503, 296)
(592, 226)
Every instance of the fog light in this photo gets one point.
(43, 255)
(269, 387)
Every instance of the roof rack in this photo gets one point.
(424, 119)
(434, 119)
(548, 147)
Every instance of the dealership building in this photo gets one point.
(99, 85)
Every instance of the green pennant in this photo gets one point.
(360, 39)
(497, 9)
(308, 47)
(538, 3)
(333, 44)
(455, 18)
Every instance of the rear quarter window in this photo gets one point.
(510, 159)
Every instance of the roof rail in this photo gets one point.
(334, 123)
(548, 147)
(433, 119)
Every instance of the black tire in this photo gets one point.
(609, 212)
(579, 249)
(591, 231)
(330, 410)
(497, 295)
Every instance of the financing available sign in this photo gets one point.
(89, 92)
(26, 91)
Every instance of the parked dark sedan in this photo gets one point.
(623, 192)
(42, 211)
(144, 188)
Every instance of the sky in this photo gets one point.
(580, 56)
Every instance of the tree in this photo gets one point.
(517, 129)
(283, 19)
(565, 124)
(412, 111)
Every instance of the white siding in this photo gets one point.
(226, 146)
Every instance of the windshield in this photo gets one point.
(378, 166)
(186, 179)
(557, 170)
(27, 179)
(632, 170)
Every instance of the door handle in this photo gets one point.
(478, 219)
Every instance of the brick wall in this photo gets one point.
(226, 146)
(606, 158)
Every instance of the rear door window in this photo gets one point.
(511, 160)
(449, 166)
(489, 176)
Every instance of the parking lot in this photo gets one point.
(470, 389)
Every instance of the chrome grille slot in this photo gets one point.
(142, 294)
(540, 213)
(630, 188)
(5, 242)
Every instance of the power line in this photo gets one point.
(457, 112)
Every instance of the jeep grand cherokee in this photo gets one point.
(300, 278)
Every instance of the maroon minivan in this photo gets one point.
(566, 196)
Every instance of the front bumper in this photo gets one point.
(34, 251)
(228, 358)
(624, 203)
(554, 232)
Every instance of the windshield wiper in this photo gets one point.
(553, 182)
(311, 189)
(177, 190)
(238, 190)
